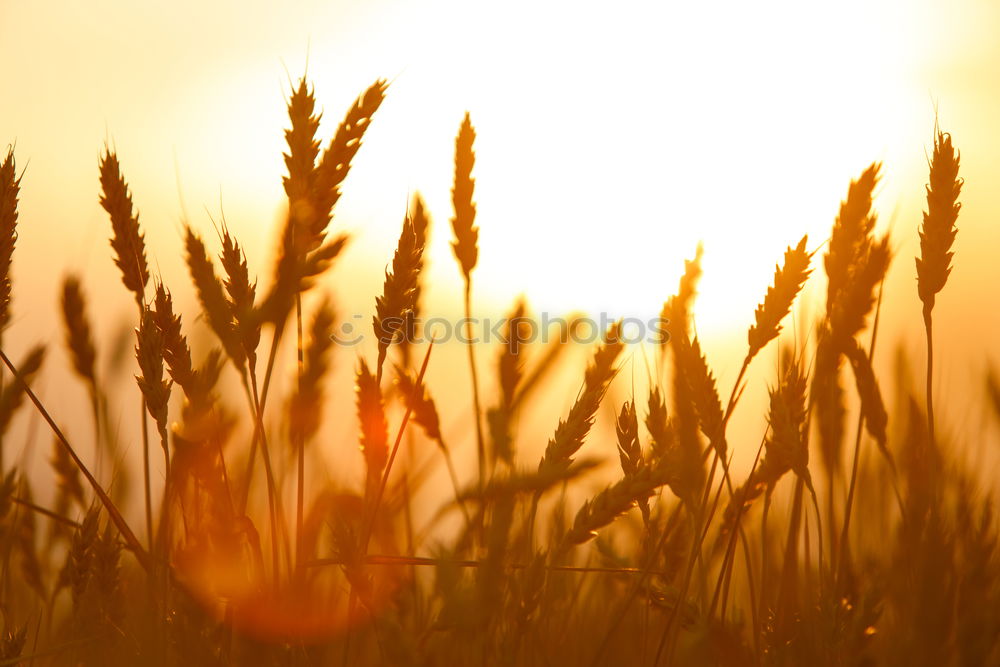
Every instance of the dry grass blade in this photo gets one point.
(938, 232)
(788, 281)
(10, 185)
(126, 240)
(466, 243)
(79, 339)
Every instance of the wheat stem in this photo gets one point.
(477, 409)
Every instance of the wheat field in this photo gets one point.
(861, 534)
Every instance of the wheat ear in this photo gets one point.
(126, 240)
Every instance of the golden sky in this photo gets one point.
(612, 138)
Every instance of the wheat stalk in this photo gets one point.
(79, 339)
(374, 429)
(69, 488)
(155, 393)
(788, 281)
(176, 353)
(466, 249)
(306, 406)
(936, 238)
(127, 241)
(852, 253)
(12, 396)
(510, 372)
(241, 293)
(396, 304)
(10, 185)
(571, 432)
(212, 297)
(156, 390)
(851, 232)
(610, 503)
(300, 161)
(629, 450)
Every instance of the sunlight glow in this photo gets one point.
(619, 157)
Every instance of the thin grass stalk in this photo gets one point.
(147, 493)
(300, 477)
(476, 405)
